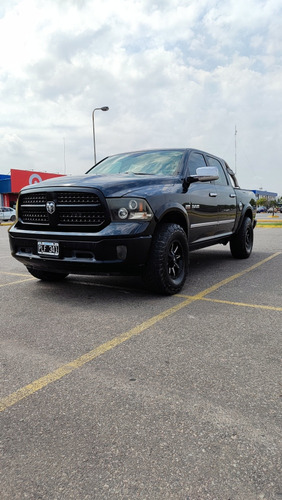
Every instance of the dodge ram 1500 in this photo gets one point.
(138, 212)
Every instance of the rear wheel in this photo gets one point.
(241, 243)
(167, 266)
(46, 275)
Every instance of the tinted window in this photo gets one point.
(195, 161)
(222, 177)
(163, 162)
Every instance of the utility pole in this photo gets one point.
(65, 166)
(235, 137)
(104, 108)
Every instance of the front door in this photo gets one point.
(201, 203)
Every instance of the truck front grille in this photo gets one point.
(81, 217)
(71, 210)
(31, 216)
(69, 198)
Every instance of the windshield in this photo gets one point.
(163, 162)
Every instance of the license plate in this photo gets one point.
(50, 248)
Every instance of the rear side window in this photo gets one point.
(222, 180)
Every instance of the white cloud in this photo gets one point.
(174, 73)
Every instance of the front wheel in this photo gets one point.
(167, 266)
(241, 243)
(46, 275)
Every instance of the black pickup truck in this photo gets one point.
(133, 213)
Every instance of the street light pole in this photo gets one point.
(104, 108)
(235, 136)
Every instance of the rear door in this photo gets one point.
(226, 199)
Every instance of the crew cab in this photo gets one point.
(140, 212)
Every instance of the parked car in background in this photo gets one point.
(272, 210)
(7, 213)
(260, 210)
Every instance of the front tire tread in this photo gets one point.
(241, 243)
(167, 266)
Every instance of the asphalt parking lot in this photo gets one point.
(110, 392)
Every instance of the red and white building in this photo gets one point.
(10, 185)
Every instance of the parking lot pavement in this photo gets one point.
(110, 392)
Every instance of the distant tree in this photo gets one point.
(273, 204)
(262, 202)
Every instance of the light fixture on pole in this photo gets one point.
(104, 108)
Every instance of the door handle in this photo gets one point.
(213, 195)
(232, 195)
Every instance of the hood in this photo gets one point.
(110, 186)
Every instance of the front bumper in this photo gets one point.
(122, 250)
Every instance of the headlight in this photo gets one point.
(123, 209)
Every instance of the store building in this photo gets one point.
(10, 185)
(264, 194)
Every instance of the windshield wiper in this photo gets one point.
(140, 173)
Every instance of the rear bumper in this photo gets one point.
(82, 253)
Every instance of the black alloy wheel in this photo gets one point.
(241, 243)
(167, 266)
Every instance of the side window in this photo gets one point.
(195, 161)
(213, 162)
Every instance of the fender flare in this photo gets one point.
(173, 212)
(247, 211)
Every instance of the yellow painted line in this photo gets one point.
(242, 304)
(238, 275)
(44, 381)
(215, 287)
(14, 274)
(16, 282)
(35, 386)
(230, 302)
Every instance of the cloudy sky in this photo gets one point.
(174, 73)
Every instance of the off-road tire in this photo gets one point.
(46, 275)
(241, 243)
(167, 266)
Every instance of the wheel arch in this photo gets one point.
(247, 212)
(175, 215)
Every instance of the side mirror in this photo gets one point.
(205, 174)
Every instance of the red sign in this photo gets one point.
(21, 178)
